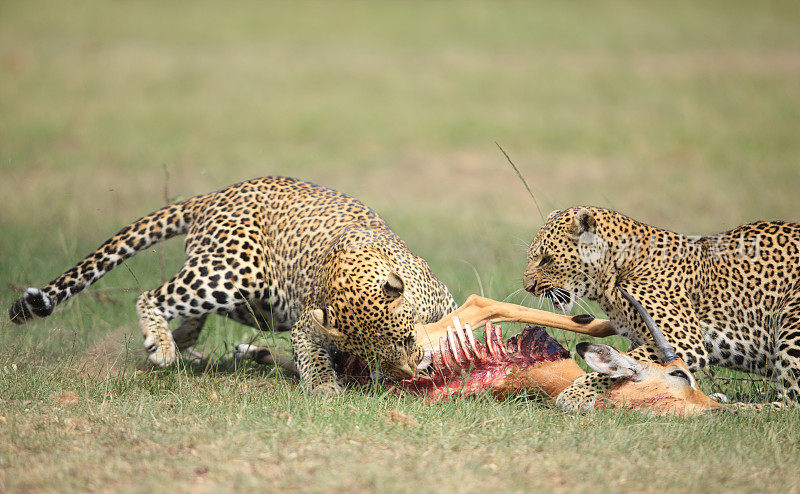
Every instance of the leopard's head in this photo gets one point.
(367, 312)
(569, 258)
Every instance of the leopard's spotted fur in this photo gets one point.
(730, 299)
(274, 253)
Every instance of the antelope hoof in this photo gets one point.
(191, 355)
(721, 398)
(243, 351)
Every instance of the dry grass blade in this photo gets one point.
(521, 177)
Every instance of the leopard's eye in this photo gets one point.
(545, 261)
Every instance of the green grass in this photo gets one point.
(684, 115)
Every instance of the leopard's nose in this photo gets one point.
(529, 286)
(407, 372)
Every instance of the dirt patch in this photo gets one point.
(66, 399)
(105, 358)
(400, 418)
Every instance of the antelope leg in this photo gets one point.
(265, 356)
(477, 310)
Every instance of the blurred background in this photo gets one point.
(681, 114)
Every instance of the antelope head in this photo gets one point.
(667, 388)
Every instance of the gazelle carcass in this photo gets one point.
(535, 363)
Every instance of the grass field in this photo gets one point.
(683, 114)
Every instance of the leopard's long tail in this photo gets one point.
(158, 226)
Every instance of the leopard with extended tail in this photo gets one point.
(278, 254)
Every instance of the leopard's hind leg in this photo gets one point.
(187, 333)
(154, 323)
(787, 346)
(186, 336)
(206, 286)
(248, 314)
(786, 365)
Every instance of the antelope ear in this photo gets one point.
(607, 360)
(583, 222)
(325, 321)
(394, 286)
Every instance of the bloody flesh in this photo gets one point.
(467, 367)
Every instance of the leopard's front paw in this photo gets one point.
(162, 352)
(327, 389)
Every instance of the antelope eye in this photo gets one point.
(680, 374)
(545, 261)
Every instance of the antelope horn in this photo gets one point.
(661, 341)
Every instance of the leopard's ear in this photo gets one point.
(393, 286)
(608, 360)
(325, 321)
(583, 222)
